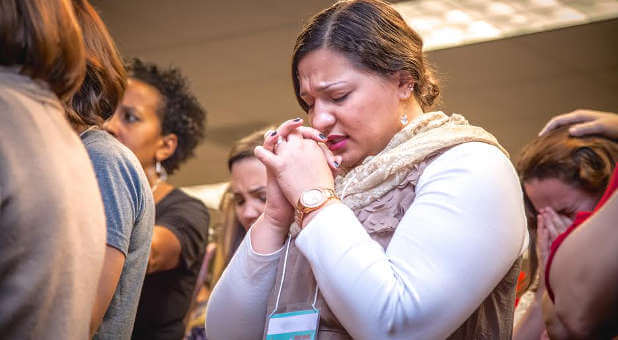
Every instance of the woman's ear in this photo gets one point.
(168, 146)
(405, 84)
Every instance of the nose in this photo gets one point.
(111, 125)
(322, 118)
(250, 212)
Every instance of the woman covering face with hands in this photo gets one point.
(561, 175)
(381, 213)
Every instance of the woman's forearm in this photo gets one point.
(266, 236)
(237, 307)
(555, 328)
(531, 325)
(436, 266)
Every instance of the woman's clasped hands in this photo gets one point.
(296, 160)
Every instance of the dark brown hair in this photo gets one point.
(585, 163)
(106, 77)
(373, 36)
(44, 39)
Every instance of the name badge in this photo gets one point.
(298, 325)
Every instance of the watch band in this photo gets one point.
(301, 210)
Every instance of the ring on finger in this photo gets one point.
(279, 141)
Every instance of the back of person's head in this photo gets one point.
(105, 80)
(180, 112)
(373, 36)
(43, 38)
(585, 163)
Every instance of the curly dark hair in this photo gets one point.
(180, 112)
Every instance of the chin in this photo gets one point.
(348, 162)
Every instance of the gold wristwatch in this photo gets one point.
(312, 200)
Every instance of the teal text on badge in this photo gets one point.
(307, 335)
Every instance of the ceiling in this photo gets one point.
(236, 55)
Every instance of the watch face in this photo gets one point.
(312, 198)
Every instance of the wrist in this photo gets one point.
(275, 224)
(267, 236)
(310, 201)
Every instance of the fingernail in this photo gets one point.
(336, 164)
(273, 133)
(297, 119)
(321, 135)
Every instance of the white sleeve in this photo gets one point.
(463, 232)
(237, 306)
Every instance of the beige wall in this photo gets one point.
(237, 54)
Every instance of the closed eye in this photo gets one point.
(340, 99)
(570, 213)
(309, 105)
(238, 200)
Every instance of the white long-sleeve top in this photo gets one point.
(455, 243)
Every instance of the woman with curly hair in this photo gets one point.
(162, 123)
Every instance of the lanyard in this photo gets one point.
(285, 262)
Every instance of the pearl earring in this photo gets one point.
(404, 119)
(160, 171)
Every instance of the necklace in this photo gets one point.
(90, 128)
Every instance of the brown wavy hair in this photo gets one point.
(43, 38)
(585, 163)
(106, 77)
(373, 36)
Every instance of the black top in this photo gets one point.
(166, 295)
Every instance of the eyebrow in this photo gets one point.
(257, 189)
(127, 108)
(252, 191)
(324, 87)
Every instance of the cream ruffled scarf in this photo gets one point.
(422, 138)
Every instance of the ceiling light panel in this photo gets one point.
(448, 23)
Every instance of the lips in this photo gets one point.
(336, 142)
